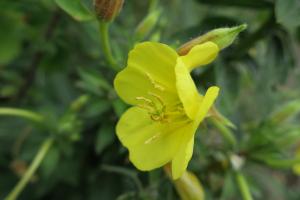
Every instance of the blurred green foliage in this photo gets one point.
(51, 63)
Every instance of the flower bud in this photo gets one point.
(188, 186)
(107, 10)
(223, 37)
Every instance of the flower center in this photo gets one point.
(156, 107)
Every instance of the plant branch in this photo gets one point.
(13, 195)
(35, 117)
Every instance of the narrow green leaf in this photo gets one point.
(105, 137)
(22, 113)
(76, 9)
(10, 44)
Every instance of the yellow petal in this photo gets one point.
(201, 54)
(207, 102)
(150, 67)
(184, 154)
(150, 144)
(185, 151)
(131, 83)
(187, 91)
(155, 59)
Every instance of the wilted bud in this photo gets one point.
(107, 10)
(223, 37)
(147, 25)
(188, 186)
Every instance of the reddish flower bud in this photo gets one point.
(107, 10)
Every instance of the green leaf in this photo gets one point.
(105, 137)
(288, 13)
(285, 112)
(94, 79)
(76, 9)
(10, 36)
(50, 162)
(119, 107)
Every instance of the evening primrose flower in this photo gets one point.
(166, 109)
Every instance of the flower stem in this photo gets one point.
(22, 113)
(225, 131)
(104, 36)
(243, 186)
(31, 170)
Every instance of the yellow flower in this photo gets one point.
(167, 108)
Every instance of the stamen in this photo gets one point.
(156, 117)
(147, 101)
(156, 85)
(156, 107)
(158, 98)
(146, 107)
(144, 99)
(152, 138)
(173, 113)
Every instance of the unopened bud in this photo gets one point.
(223, 37)
(188, 186)
(107, 10)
